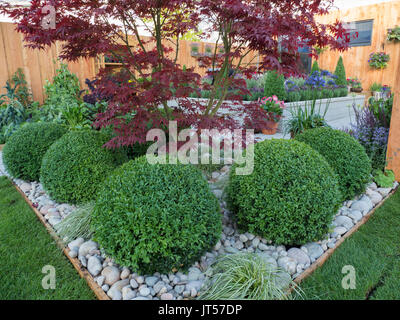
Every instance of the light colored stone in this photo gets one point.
(94, 266)
(344, 221)
(25, 187)
(73, 253)
(384, 191)
(375, 197)
(125, 273)
(299, 255)
(134, 284)
(167, 296)
(111, 275)
(243, 238)
(100, 280)
(339, 231)
(128, 293)
(116, 288)
(151, 281)
(86, 247)
(269, 260)
(76, 243)
(355, 215)
(314, 250)
(144, 291)
(288, 264)
(262, 246)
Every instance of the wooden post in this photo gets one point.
(393, 152)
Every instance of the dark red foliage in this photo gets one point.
(150, 76)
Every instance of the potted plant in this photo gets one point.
(274, 110)
(375, 87)
(355, 84)
(194, 50)
(394, 34)
(209, 51)
(378, 60)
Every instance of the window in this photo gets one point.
(364, 30)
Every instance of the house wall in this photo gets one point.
(385, 16)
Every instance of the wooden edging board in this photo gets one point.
(322, 259)
(98, 291)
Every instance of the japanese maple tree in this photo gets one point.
(150, 76)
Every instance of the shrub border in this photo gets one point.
(83, 272)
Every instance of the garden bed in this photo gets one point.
(121, 283)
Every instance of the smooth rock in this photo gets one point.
(194, 284)
(269, 260)
(144, 291)
(344, 221)
(384, 191)
(86, 247)
(111, 275)
(151, 281)
(73, 253)
(355, 215)
(125, 273)
(100, 280)
(340, 230)
(299, 255)
(314, 250)
(25, 187)
(94, 266)
(375, 197)
(117, 287)
(167, 296)
(262, 247)
(158, 286)
(76, 243)
(128, 293)
(134, 284)
(288, 264)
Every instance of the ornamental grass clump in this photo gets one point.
(291, 196)
(346, 156)
(247, 276)
(75, 166)
(25, 149)
(156, 218)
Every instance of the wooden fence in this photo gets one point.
(39, 66)
(385, 16)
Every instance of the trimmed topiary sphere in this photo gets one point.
(345, 155)
(75, 166)
(153, 218)
(290, 198)
(24, 151)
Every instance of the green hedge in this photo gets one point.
(275, 85)
(345, 155)
(153, 218)
(75, 166)
(25, 149)
(291, 196)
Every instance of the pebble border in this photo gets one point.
(109, 281)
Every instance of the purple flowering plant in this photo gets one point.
(378, 60)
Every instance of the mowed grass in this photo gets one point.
(373, 251)
(25, 248)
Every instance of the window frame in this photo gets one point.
(364, 43)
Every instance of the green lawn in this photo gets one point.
(25, 248)
(374, 252)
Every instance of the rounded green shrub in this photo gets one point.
(291, 196)
(345, 155)
(153, 218)
(24, 151)
(75, 166)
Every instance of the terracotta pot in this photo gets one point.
(356, 89)
(273, 128)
